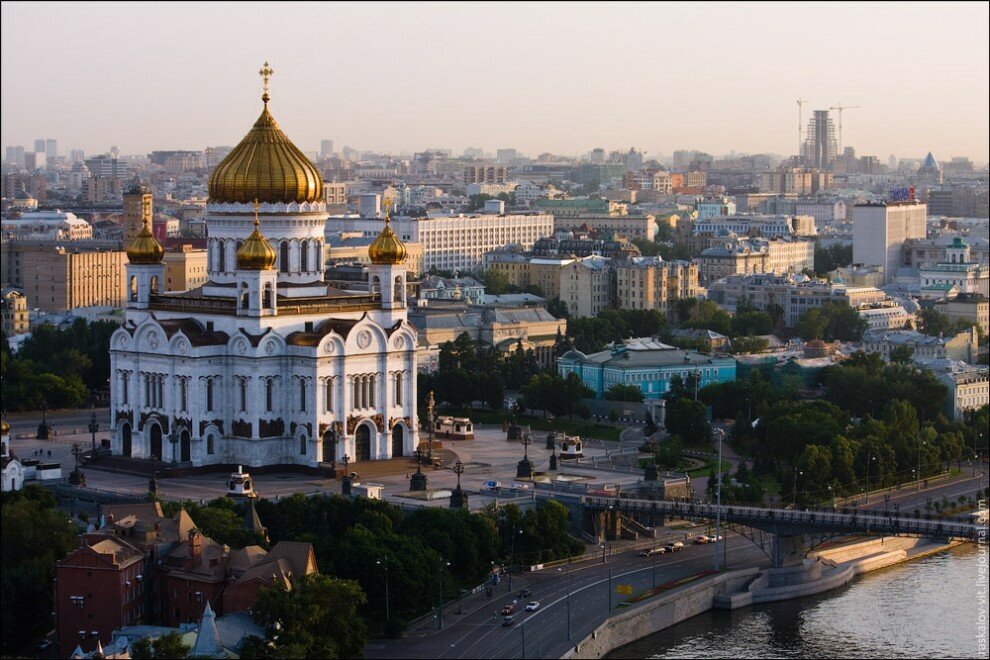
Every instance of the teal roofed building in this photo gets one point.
(644, 363)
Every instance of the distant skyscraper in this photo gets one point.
(506, 156)
(326, 148)
(597, 155)
(820, 145)
(15, 156)
(51, 150)
(77, 156)
(39, 145)
(930, 173)
(892, 162)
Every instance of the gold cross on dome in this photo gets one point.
(266, 73)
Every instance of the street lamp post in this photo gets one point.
(718, 500)
(384, 563)
(443, 565)
(794, 494)
(93, 426)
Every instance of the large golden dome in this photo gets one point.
(387, 249)
(145, 249)
(266, 166)
(256, 253)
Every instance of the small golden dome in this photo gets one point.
(387, 249)
(266, 166)
(256, 253)
(145, 249)
(4, 427)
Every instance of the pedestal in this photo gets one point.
(551, 443)
(43, 431)
(458, 499)
(651, 473)
(553, 462)
(524, 469)
(418, 481)
(77, 478)
(345, 485)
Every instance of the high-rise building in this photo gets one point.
(820, 145)
(506, 156)
(39, 145)
(930, 174)
(880, 229)
(326, 149)
(15, 156)
(485, 174)
(77, 156)
(51, 150)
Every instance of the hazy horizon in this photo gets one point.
(563, 78)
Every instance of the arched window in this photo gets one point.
(242, 383)
(302, 445)
(398, 389)
(398, 292)
(356, 392)
(376, 285)
(209, 395)
(371, 391)
(266, 302)
(329, 395)
(269, 394)
(134, 289)
(244, 296)
(304, 256)
(302, 395)
(222, 256)
(283, 257)
(209, 444)
(154, 284)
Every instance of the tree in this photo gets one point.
(902, 354)
(168, 645)
(620, 392)
(689, 419)
(317, 618)
(35, 536)
(749, 345)
(832, 257)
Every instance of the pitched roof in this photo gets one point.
(208, 643)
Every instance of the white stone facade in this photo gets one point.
(269, 367)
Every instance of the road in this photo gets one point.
(911, 498)
(480, 634)
(64, 421)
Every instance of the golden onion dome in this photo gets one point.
(256, 253)
(4, 427)
(266, 166)
(387, 249)
(145, 249)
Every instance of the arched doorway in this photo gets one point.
(362, 443)
(398, 438)
(125, 437)
(184, 446)
(156, 442)
(329, 447)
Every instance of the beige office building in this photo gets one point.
(14, 312)
(357, 252)
(971, 307)
(59, 279)
(631, 226)
(584, 286)
(185, 268)
(651, 283)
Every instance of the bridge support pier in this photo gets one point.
(787, 550)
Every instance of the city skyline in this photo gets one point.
(658, 91)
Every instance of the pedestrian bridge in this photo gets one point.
(784, 533)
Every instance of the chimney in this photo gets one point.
(195, 548)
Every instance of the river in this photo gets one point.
(934, 607)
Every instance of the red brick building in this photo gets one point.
(99, 586)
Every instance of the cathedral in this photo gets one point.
(266, 364)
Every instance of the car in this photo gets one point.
(508, 609)
(649, 552)
(508, 621)
(525, 593)
(716, 538)
(673, 547)
(532, 606)
(701, 540)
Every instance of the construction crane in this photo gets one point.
(840, 108)
(800, 103)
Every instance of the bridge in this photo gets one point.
(783, 533)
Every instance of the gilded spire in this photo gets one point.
(145, 249)
(266, 74)
(387, 249)
(256, 253)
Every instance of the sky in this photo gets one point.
(557, 77)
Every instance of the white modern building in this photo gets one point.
(880, 229)
(957, 272)
(458, 242)
(46, 226)
(266, 364)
